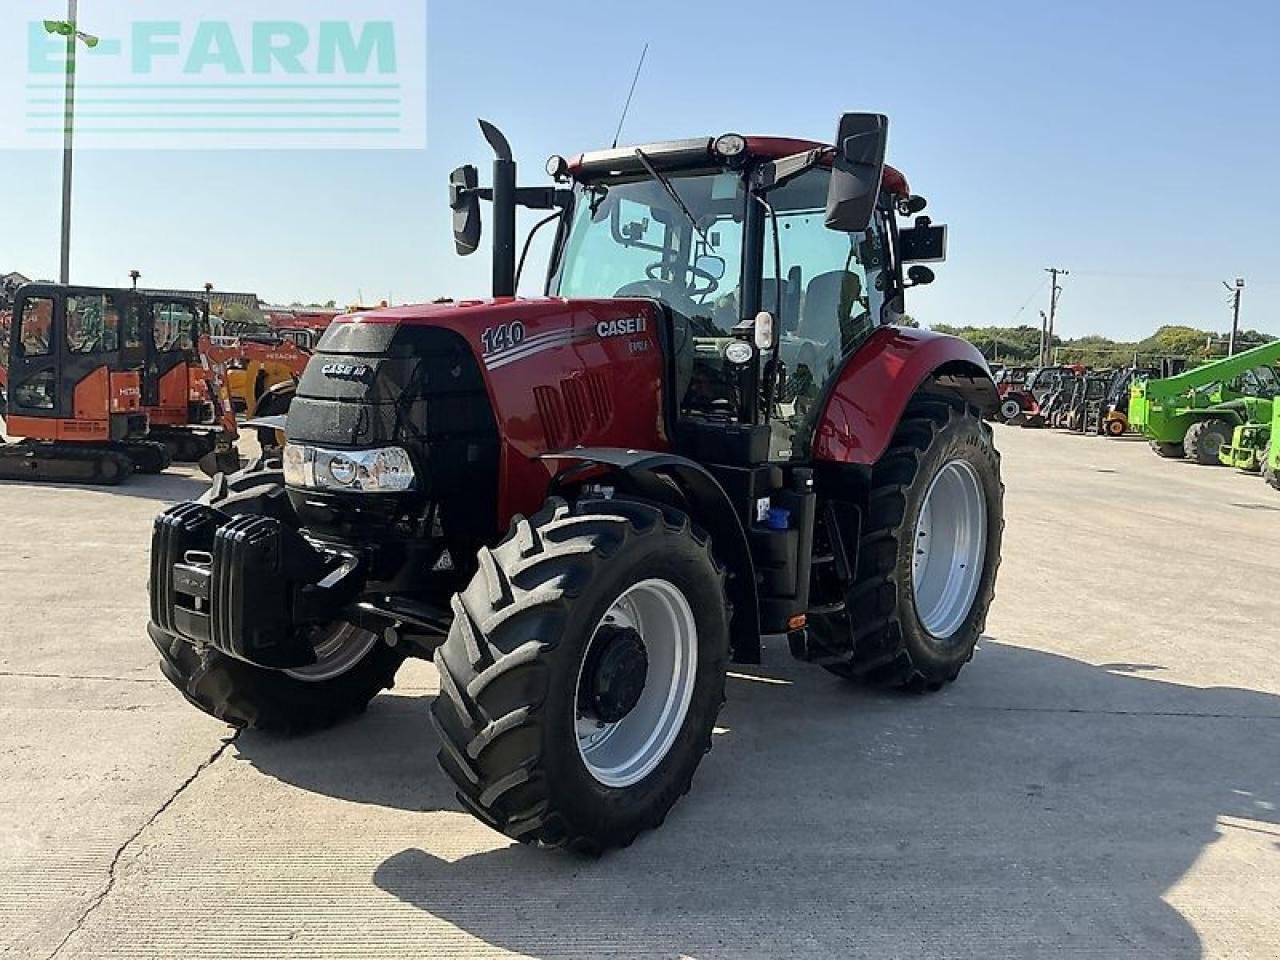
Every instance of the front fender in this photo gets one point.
(686, 485)
(873, 388)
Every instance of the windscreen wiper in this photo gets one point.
(671, 192)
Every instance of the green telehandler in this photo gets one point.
(1250, 440)
(1195, 413)
(1271, 452)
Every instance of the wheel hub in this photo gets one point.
(614, 674)
(635, 683)
(949, 549)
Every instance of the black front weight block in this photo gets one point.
(248, 586)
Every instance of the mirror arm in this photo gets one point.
(543, 198)
(769, 176)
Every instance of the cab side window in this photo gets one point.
(132, 331)
(93, 324)
(173, 324)
(37, 321)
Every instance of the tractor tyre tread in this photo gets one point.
(512, 636)
(883, 652)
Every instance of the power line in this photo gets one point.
(1034, 294)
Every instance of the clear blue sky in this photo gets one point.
(1133, 143)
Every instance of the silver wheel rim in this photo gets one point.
(339, 647)
(1010, 409)
(623, 753)
(950, 549)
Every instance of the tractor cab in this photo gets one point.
(701, 238)
(773, 259)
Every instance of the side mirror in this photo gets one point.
(856, 171)
(711, 266)
(465, 203)
(919, 276)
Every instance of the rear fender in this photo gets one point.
(870, 393)
(683, 484)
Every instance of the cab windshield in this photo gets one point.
(633, 240)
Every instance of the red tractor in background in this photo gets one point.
(584, 505)
(1015, 398)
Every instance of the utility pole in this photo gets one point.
(1236, 291)
(68, 28)
(1044, 329)
(1055, 291)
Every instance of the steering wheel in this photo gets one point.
(654, 270)
(668, 291)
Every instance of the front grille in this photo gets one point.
(414, 386)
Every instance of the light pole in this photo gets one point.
(1235, 313)
(67, 28)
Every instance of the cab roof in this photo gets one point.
(698, 154)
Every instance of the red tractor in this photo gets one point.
(1015, 399)
(584, 506)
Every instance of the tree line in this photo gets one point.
(1021, 345)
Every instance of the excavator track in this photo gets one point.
(64, 463)
(147, 456)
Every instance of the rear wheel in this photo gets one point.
(1010, 409)
(1204, 439)
(352, 665)
(583, 673)
(1170, 451)
(926, 562)
(1116, 427)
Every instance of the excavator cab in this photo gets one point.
(178, 395)
(76, 359)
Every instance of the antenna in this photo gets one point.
(630, 94)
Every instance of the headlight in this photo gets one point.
(384, 470)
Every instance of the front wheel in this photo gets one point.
(1269, 472)
(926, 562)
(583, 673)
(1205, 439)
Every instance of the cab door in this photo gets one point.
(171, 329)
(33, 357)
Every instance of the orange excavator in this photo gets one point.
(73, 387)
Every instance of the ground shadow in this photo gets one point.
(1040, 807)
(387, 758)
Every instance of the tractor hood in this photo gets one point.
(459, 384)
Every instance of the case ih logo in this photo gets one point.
(620, 328)
(346, 371)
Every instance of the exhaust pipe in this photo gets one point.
(504, 212)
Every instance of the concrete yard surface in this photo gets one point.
(1102, 781)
